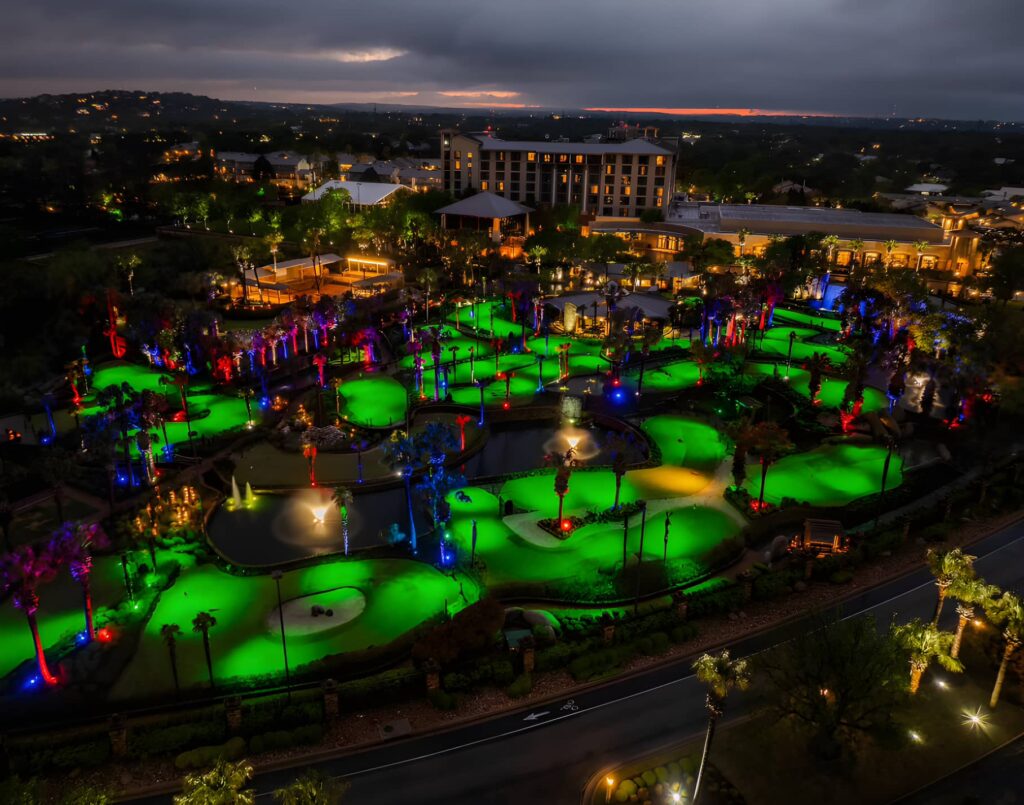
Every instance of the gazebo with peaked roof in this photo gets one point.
(499, 215)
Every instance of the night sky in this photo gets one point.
(931, 58)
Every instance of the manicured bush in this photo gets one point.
(79, 755)
(626, 789)
(841, 577)
(205, 756)
(175, 738)
(285, 739)
(650, 778)
(521, 687)
(683, 632)
(384, 687)
(441, 700)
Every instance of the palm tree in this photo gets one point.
(342, 498)
(920, 246)
(741, 239)
(313, 788)
(243, 259)
(428, 277)
(203, 622)
(74, 546)
(224, 784)
(617, 446)
(816, 366)
(856, 247)
(21, 573)
(969, 593)
(948, 567)
(562, 486)
(720, 673)
(169, 632)
(890, 247)
(1006, 611)
(770, 442)
(924, 643)
(830, 242)
(401, 452)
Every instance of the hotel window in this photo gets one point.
(483, 185)
(563, 157)
(531, 156)
(501, 187)
(547, 157)
(594, 189)
(458, 164)
(609, 170)
(659, 161)
(929, 261)
(564, 178)
(626, 190)
(579, 159)
(643, 170)
(659, 192)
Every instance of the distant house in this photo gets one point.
(1004, 193)
(236, 166)
(181, 152)
(287, 169)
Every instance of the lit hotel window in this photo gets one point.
(483, 185)
(579, 159)
(659, 161)
(531, 156)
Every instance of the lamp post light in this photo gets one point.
(277, 575)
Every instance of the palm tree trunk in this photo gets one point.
(44, 670)
(561, 502)
(174, 668)
(618, 486)
(1011, 646)
(708, 738)
(958, 637)
(209, 661)
(938, 605)
(87, 606)
(764, 477)
(916, 672)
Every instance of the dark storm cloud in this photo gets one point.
(923, 57)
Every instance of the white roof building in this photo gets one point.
(362, 194)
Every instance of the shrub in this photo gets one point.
(175, 738)
(650, 778)
(626, 789)
(204, 756)
(285, 739)
(441, 700)
(683, 632)
(841, 577)
(771, 585)
(383, 687)
(522, 686)
(69, 756)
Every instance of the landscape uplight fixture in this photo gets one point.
(609, 782)
(976, 720)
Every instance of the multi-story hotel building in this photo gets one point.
(613, 179)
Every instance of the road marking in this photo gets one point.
(577, 712)
(535, 716)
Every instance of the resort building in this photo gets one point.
(613, 179)
(507, 222)
(285, 169)
(900, 241)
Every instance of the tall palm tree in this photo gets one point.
(770, 442)
(1006, 611)
(890, 247)
(969, 593)
(243, 259)
(202, 623)
(401, 452)
(617, 446)
(562, 474)
(74, 546)
(169, 632)
(924, 642)
(721, 674)
(856, 247)
(920, 246)
(224, 784)
(313, 788)
(818, 363)
(21, 573)
(342, 498)
(948, 567)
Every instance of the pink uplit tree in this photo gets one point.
(21, 573)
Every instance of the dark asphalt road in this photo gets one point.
(549, 760)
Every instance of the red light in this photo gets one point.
(566, 525)
(104, 635)
(506, 405)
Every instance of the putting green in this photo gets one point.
(832, 389)
(686, 442)
(672, 376)
(374, 401)
(776, 342)
(400, 594)
(825, 322)
(829, 475)
(597, 547)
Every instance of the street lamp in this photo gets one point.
(609, 782)
(277, 575)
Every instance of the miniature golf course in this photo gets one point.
(374, 401)
(398, 595)
(832, 389)
(829, 475)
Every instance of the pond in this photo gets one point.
(272, 529)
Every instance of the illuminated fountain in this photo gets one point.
(236, 495)
(576, 443)
(250, 496)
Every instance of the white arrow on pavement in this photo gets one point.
(535, 716)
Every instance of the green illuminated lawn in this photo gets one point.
(60, 612)
(829, 475)
(804, 318)
(374, 401)
(776, 342)
(832, 389)
(400, 594)
(511, 558)
(672, 376)
(686, 442)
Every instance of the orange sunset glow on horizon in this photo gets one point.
(693, 111)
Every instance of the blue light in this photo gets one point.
(46, 438)
(82, 638)
(168, 451)
(264, 402)
(618, 395)
(31, 683)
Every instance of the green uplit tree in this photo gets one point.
(923, 643)
(224, 784)
(342, 498)
(313, 788)
(969, 592)
(1007, 612)
(949, 568)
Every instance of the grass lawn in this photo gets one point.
(829, 475)
(400, 594)
(832, 389)
(374, 401)
(60, 611)
(686, 442)
(675, 376)
(776, 342)
(803, 318)
(595, 547)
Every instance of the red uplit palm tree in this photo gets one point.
(770, 443)
(562, 487)
(74, 545)
(816, 366)
(21, 573)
